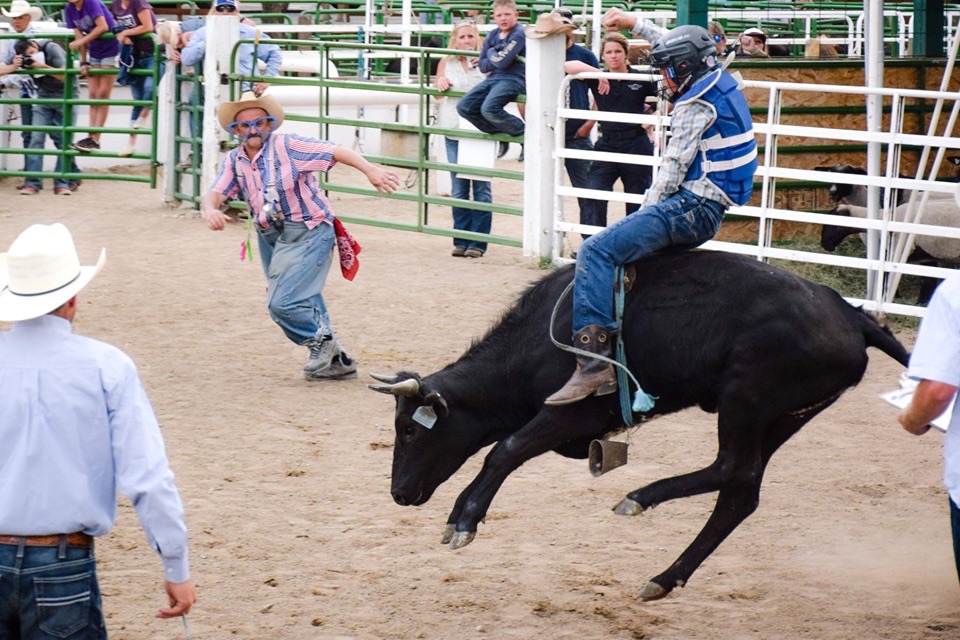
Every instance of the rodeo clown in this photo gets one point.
(708, 166)
(296, 227)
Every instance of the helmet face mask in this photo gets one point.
(683, 55)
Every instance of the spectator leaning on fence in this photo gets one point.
(21, 16)
(460, 73)
(135, 22)
(90, 20)
(269, 54)
(39, 55)
(631, 139)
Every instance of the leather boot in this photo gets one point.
(592, 376)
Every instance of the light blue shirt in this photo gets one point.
(76, 427)
(270, 54)
(936, 356)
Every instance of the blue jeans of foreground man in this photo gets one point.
(469, 219)
(44, 596)
(684, 219)
(296, 264)
(484, 106)
(48, 115)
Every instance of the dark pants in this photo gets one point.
(603, 175)
(955, 527)
(48, 593)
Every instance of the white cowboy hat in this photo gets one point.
(228, 110)
(549, 24)
(41, 272)
(22, 7)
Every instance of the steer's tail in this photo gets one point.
(882, 338)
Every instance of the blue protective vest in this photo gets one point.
(728, 150)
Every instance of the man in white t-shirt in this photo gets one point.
(935, 362)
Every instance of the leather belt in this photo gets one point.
(628, 134)
(78, 539)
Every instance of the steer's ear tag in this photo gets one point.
(425, 416)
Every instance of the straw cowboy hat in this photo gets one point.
(228, 110)
(549, 24)
(22, 7)
(41, 272)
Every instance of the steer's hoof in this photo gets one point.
(448, 533)
(462, 538)
(628, 507)
(652, 591)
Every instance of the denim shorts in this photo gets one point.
(103, 62)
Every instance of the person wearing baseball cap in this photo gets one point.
(76, 428)
(752, 44)
(295, 223)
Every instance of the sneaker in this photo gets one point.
(473, 253)
(62, 191)
(343, 367)
(458, 252)
(186, 163)
(322, 351)
(27, 190)
(86, 145)
(75, 185)
(504, 147)
(128, 151)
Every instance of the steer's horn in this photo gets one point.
(409, 388)
(382, 377)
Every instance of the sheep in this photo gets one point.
(928, 250)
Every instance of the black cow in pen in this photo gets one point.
(763, 349)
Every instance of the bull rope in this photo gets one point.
(642, 401)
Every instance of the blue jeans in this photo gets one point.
(469, 219)
(579, 170)
(683, 219)
(48, 115)
(296, 264)
(26, 119)
(47, 596)
(484, 106)
(141, 87)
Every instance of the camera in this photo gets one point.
(27, 62)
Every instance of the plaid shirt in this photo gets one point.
(294, 160)
(688, 122)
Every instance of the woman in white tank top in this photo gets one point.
(460, 74)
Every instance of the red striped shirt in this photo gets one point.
(294, 159)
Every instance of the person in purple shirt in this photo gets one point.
(90, 19)
(137, 21)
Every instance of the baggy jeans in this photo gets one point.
(296, 263)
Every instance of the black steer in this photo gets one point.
(762, 348)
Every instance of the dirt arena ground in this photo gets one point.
(286, 483)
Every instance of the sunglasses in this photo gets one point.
(243, 129)
(717, 37)
(226, 8)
